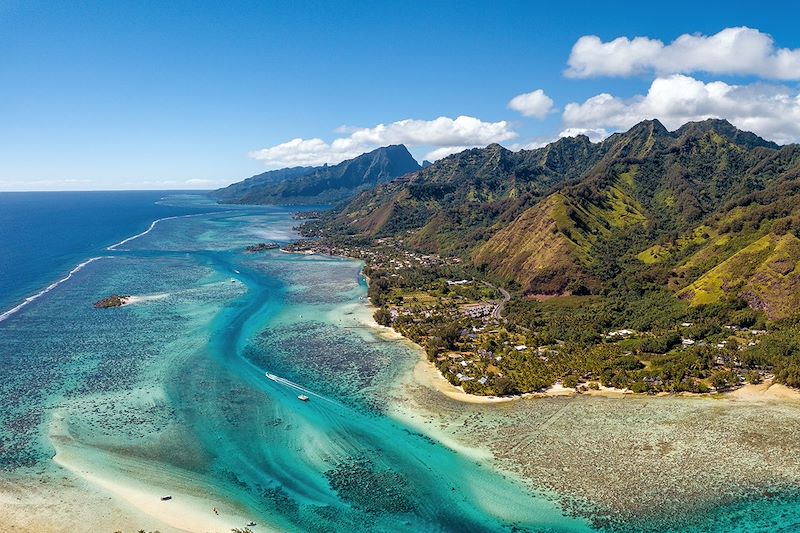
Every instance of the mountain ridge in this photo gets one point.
(572, 216)
(327, 184)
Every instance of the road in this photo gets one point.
(498, 309)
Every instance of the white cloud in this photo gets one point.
(194, 182)
(533, 104)
(530, 145)
(444, 134)
(444, 151)
(595, 134)
(65, 184)
(304, 152)
(772, 111)
(734, 51)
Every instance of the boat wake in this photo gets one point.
(47, 289)
(296, 386)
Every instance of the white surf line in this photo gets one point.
(52, 286)
(49, 288)
(152, 226)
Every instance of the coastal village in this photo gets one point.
(460, 321)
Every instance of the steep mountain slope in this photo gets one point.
(535, 249)
(575, 216)
(748, 248)
(259, 182)
(550, 248)
(766, 274)
(453, 204)
(659, 182)
(326, 184)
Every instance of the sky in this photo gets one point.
(196, 95)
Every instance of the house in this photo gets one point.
(620, 333)
(485, 354)
(477, 310)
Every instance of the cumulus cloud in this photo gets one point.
(304, 152)
(772, 111)
(444, 151)
(594, 134)
(734, 51)
(532, 144)
(445, 135)
(533, 104)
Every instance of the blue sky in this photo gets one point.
(127, 95)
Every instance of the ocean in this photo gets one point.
(107, 411)
(44, 235)
(169, 394)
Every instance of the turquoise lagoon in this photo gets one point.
(169, 393)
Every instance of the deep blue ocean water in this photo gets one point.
(169, 394)
(43, 235)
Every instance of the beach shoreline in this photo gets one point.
(188, 509)
(427, 375)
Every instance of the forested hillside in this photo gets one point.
(705, 209)
(652, 261)
(321, 185)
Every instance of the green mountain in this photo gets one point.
(321, 185)
(259, 182)
(458, 201)
(708, 211)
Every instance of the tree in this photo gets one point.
(753, 377)
(503, 385)
(724, 379)
(570, 381)
(383, 317)
(433, 346)
(451, 333)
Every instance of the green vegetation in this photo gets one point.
(321, 185)
(684, 243)
(653, 343)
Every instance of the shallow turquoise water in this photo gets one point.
(45, 234)
(175, 385)
(176, 382)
